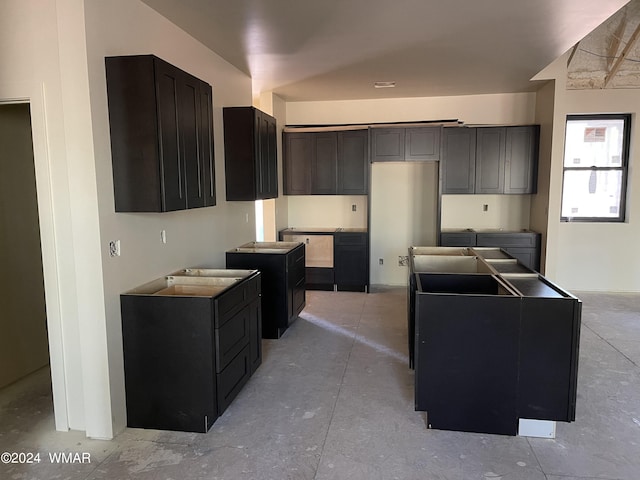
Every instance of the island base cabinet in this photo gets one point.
(467, 355)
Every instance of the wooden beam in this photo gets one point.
(616, 66)
(573, 53)
(612, 51)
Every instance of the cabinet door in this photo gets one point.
(172, 175)
(266, 156)
(387, 144)
(490, 160)
(270, 162)
(255, 334)
(458, 239)
(353, 162)
(324, 163)
(189, 130)
(297, 163)
(422, 144)
(521, 165)
(458, 160)
(351, 261)
(206, 145)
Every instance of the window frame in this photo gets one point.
(623, 168)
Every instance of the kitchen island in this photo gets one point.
(495, 344)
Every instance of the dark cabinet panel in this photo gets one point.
(186, 357)
(422, 144)
(387, 144)
(521, 166)
(324, 163)
(458, 239)
(279, 287)
(490, 155)
(297, 163)
(351, 261)
(206, 145)
(501, 160)
(251, 170)
(400, 144)
(161, 136)
(458, 166)
(353, 162)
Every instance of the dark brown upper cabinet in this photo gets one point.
(398, 144)
(458, 166)
(326, 163)
(161, 124)
(250, 154)
(490, 160)
(297, 163)
(353, 162)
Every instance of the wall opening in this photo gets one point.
(24, 347)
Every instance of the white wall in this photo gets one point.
(196, 237)
(395, 221)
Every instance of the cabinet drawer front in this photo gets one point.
(232, 337)
(319, 275)
(296, 257)
(506, 239)
(458, 239)
(234, 299)
(351, 238)
(233, 378)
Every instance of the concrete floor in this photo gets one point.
(333, 399)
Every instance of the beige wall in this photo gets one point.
(540, 202)
(403, 208)
(395, 221)
(327, 211)
(595, 256)
(510, 212)
(23, 334)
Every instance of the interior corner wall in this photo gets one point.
(595, 256)
(395, 224)
(276, 107)
(539, 217)
(195, 238)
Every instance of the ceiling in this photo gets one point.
(336, 49)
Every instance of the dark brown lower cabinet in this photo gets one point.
(351, 261)
(189, 348)
(283, 281)
(493, 342)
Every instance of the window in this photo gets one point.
(596, 157)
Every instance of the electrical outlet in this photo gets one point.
(403, 260)
(163, 236)
(114, 248)
(354, 207)
(485, 207)
(380, 261)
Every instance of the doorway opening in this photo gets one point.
(24, 346)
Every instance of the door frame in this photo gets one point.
(34, 94)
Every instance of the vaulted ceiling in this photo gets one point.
(337, 49)
(609, 57)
